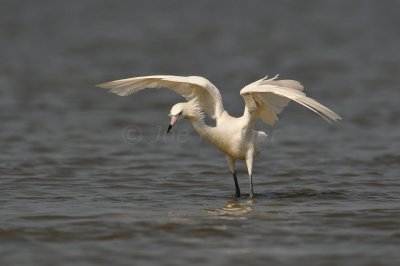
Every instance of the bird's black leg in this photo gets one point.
(231, 164)
(237, 193)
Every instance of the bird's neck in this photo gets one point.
(201, 127)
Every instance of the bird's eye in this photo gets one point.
(181, 112)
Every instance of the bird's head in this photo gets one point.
(188, 110)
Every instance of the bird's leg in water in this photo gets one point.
(251, 186)
(249, 163)
(237, 193)
(231, 164)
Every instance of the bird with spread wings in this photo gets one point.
(234, 136)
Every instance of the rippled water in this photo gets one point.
(89, 178)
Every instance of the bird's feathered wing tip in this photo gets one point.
(125, 87)
(318, 108)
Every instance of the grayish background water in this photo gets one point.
(88, 179)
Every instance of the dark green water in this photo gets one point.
(89, 178)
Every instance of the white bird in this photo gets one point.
(234, 136)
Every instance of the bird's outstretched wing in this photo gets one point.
(266, 98)
(193, 87)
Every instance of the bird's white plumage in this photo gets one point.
(266, 98)
(234, 136)
(193, 87)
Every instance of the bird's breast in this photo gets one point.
(231, 143)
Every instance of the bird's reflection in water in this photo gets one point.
(234, 209)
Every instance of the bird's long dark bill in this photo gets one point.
(169, 128)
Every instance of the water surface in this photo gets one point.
(89, 178)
